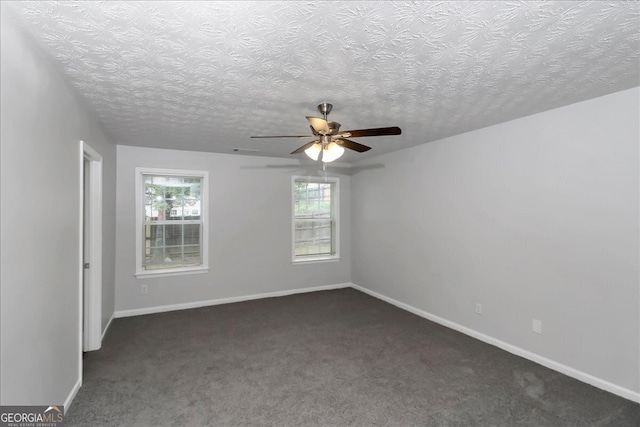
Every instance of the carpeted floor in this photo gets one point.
(330, 358)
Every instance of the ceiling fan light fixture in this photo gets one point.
(314, 151)
(332, 152)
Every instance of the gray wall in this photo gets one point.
(533, 218)
(42, 122)
(249, 231)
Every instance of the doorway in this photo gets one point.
(91, 278)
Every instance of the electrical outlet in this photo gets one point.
(144, 289)
(478, 308)
(537, 326)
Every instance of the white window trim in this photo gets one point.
(336, 216)
(204, 268)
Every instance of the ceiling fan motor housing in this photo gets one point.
(325, 109)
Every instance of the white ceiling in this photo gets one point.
(207, 75)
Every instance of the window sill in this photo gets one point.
(315, 260)
(171, 272)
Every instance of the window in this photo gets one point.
(315, 219)
(171, 225)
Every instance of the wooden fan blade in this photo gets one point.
(304, 147)
(319, 125)
(370, 132)
(352, 145)
(284, 136)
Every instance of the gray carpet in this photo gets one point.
(330, 358)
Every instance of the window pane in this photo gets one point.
(314, 232)
(172, 197)
(313, 237)
(173, 257)
(173, 235)
(192, 253)
(154, 258)
(313, 199)
(172, 245)
(172, 227)
(191, 234)
(154, 235)
(183, 256)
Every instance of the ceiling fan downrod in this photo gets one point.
(325, 109)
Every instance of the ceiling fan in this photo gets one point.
(331, 142)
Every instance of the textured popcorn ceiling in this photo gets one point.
(206, 75)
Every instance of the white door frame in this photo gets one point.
(91, 292)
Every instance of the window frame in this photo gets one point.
(140, 222)
(335, 217)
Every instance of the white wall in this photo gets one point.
(42, 122)
(533, 218)
(249, 231)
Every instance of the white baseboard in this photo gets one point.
(198, 304)
(72, 395)
(551, 364)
